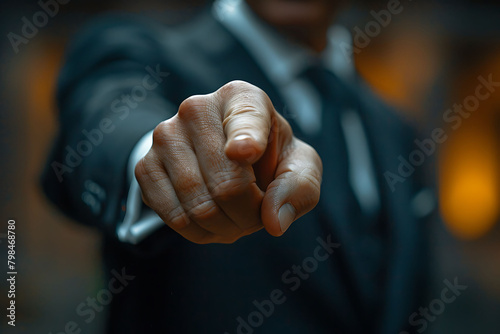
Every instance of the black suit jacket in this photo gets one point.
(181, 287)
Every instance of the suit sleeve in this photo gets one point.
(111, 92)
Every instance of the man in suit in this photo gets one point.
(233, 98)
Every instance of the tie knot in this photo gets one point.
(331, 89)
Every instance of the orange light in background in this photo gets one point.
(401, 66)
(469, 184)
(469, 173)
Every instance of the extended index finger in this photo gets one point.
(247, 115)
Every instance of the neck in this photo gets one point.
(303, 22)
(315, 39)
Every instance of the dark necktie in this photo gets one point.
(354, 228)
(331, 144)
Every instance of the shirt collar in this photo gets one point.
(282, 60)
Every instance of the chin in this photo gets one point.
(295, 13)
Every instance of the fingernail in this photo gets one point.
(286, 215)
(242, 137)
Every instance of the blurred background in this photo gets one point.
(426, 60)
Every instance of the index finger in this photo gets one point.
(247, 115)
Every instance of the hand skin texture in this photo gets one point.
(226, 165)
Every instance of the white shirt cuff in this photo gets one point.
(137, 224)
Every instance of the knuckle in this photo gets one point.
(140, 170)
(191, 107)
(148, 169)
(227, 185)
(241, 98)
(310, 187)
(170, 134)
(244, 89)
(310, 180)
(203, 208)
(189, 183)
(153, 202)
(236, 86)
(243, 108)
(162, 132)
(177, 218)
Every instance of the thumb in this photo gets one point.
(295, 190)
